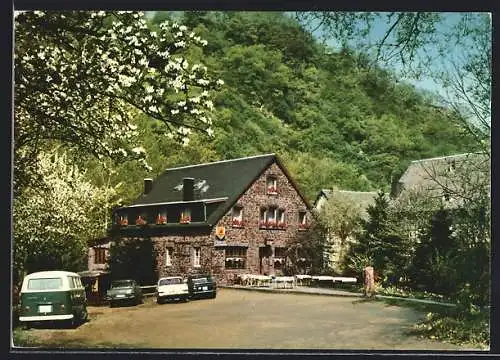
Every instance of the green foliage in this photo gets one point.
(380, 243)
(308, 251)
(434, 264)
(53, 222)
(133, 259)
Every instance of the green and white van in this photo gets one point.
(53, 296)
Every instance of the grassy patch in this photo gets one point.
(449, 324)
(22, 338)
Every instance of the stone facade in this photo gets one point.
(260, 244)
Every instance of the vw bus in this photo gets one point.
(53, 296)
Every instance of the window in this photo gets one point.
(237, 216)
(45, 284)
(302, 220)
(271, 185)
(162, 217)
(272, 218)
(185, 216)
(235, 257)
(168, 256)
(280, 219)
(124, 220)
(196, 257)
(452, 165)
(99, 255)
(263, 218)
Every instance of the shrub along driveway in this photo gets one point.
(239, 319)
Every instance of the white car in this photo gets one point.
(172, 288)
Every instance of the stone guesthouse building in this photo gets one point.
(227, 217)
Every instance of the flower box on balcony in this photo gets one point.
(237, 223)
(140, 221)
(281, 225)
(303, 226)
(161, 220)
(185, 219)
(123, 222)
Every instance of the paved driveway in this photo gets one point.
(249, 320)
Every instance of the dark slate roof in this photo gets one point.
(227, 179)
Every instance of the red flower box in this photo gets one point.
(160, 220)
(237, 223)
(124, 222)
(281, 225)
(272, 190)
(140, 221)
(303, 226)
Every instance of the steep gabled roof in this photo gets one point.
(429, 173)
(227, 179)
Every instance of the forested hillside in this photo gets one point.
(334, 121)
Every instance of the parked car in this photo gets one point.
(202, 286)
(172, 288)
(53, 296)
(124, 291)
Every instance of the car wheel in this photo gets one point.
(111, 304)
(26, 325)
(159, 301)
(213, 296)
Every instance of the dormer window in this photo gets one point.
(451, 166)
(185, 216)
(237, 216)
(303, 220)
(272, 187)
(161, 219)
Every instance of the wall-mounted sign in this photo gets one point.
(220, 243)
(220, 232)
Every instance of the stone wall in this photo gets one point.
(249, 235)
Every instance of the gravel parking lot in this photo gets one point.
(248, 320)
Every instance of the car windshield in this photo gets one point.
(45, 284)
(171, 281)
(200, 280)
(122, 283)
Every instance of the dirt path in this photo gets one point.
(249, 320)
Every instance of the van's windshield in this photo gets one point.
(45, 284)
(122, 283)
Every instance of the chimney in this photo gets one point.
(187, 189)
(148, 185)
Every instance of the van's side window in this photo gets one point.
(72, 282)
